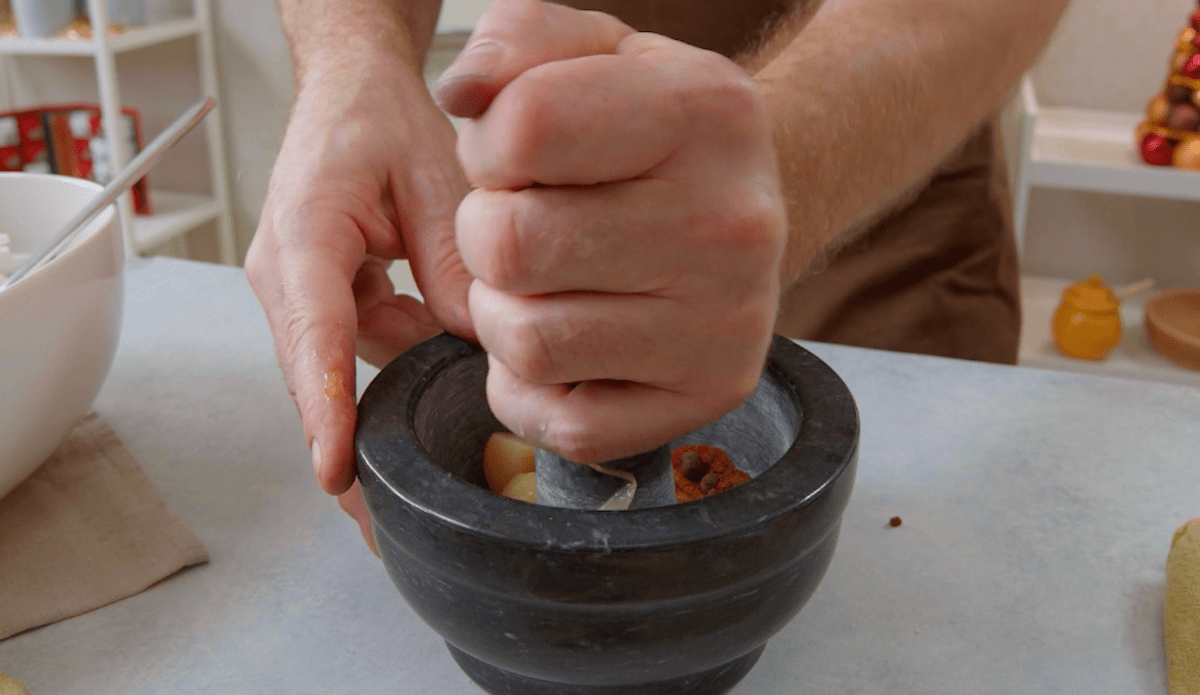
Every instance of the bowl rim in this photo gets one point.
(429, 490)
(93, 228)
(1154, 317)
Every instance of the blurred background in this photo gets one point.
(1108, 57)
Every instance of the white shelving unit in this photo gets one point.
(1082, 150)
(174, 213)
(1133, 357)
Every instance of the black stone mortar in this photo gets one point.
(662, 600)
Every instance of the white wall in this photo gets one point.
(256, 86)
(460, 15)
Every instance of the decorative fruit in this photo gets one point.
(1196, 97)
(1179, 60)
(1157, 150)
(1192, 67)
(1178, 94)
(1196, 20)
(1186, 36)
(1187, 155)
(1183, 117)
(1158, 109)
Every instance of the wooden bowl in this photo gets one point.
(1173, 325)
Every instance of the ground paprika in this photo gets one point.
(701, 470)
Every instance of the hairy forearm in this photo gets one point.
(334, 39)
(869, 96)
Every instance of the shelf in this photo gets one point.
(1133, 357)
(1095, 151)
(132, 38)
(174, 214)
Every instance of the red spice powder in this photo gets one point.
(715, 472)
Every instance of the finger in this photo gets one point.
(597, 421)
(426, 205)
(584, 336)
(388, 324)
(552, 239)
(513, 36)
(553, 125)
(351, 502)
(544, 240)
(371, 285)
(304, 287)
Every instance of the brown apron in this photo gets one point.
(937, 276)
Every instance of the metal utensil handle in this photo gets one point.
(133, 172)
(623, 497)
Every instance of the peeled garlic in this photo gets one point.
(505, 457)
(523, 486)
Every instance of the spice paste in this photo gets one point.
(701, 470)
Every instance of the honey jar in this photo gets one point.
(1087, 325)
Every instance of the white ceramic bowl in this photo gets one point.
(59, 325)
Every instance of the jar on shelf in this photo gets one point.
(1087, 325)
(42, 18)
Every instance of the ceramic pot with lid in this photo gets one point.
(1087, 325)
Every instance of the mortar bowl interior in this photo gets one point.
(535, 599)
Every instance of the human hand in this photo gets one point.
(366, 173)
(626, 233)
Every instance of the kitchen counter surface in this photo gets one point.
(1037, 511)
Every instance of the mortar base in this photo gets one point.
(497, 681)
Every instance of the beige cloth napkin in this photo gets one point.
(10, 686)
(1181, 611)
(86, 529)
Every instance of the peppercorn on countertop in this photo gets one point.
(1035, 513)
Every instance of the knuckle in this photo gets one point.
(725, 97)
(739, 389)
(573, 441)
(255, 266)
(530, 118)
(259, 256)
(294, 328)
(751, 223)
(489, 240)
(734, 385)
(529, 353)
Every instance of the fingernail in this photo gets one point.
(316, 457)
(477, 60)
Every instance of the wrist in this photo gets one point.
(336, 35)
(361, 72)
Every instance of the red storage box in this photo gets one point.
(68, 139)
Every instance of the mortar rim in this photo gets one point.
(446, 499)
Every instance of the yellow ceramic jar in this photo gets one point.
(1087, 325)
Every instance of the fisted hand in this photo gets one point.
(625, 233)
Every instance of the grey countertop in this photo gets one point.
(1037, 511)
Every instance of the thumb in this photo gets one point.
(427, 223)
(514, 36)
